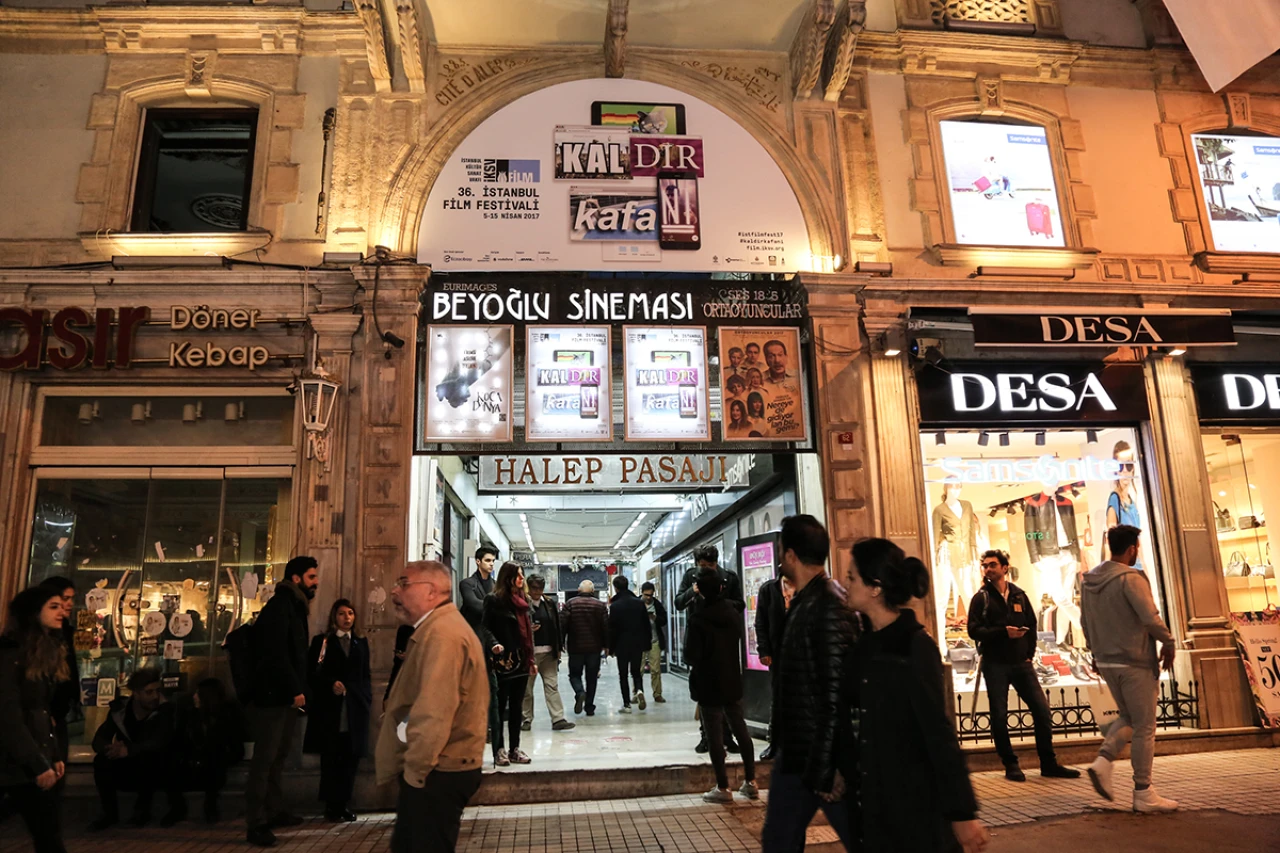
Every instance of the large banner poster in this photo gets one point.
(761, 385)
(468, 393)
(1001, 185)
(612, 175)
(666, 376)
(567, 396)
(1258, 639)
(1240, 181)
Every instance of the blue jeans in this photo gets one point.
(792, 805)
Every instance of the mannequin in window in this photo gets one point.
(1054, 548)
(1122, 505)
(955, 538)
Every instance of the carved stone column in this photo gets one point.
(1197, 587)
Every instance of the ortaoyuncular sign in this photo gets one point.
(612, 175)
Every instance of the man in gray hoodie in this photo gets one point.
(1122, 624)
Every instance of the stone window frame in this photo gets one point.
(1045, 19)
(1237, 113)
(108, 182)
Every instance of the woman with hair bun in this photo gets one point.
(912, 792)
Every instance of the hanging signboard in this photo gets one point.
(569, 299)
(666, 383)
(567, 381)
(1258, 639)
(468, 392)
(681, 472)
(987, 393)
(1237, 393)
(1071, 327)
(612, 175)
(761, 385)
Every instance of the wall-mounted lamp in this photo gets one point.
(893, 341)
(233, 412)
(140, 413)
(319, 399)
(192, 412)
(88, 413)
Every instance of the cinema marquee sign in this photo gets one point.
(654, 472)
(1073, 327)
(1237, 393)
(1030, 392)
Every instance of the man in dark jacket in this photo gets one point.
(133, 752)
(548, 644)
(690, 601)
(279, 696)
(658, 637)
(472, 592)
(808, 673)
(585, 626)
(1003, 622)
(629, 638)
(772, 600)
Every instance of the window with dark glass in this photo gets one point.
(195, 170)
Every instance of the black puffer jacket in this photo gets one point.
(808, 667)
(280, 645)
(28, 745)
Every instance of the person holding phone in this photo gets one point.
(1003, 622)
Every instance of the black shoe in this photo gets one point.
(341, 816)
(766, 754)
(1057, 771)
(1014, 773)
(577, 703)
(174, 815)
(105, 822)
(261, 836)
(284, 819)
(140, 819)
(526, 726)
(702, 748)
(591, 710)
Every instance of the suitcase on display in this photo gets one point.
(1038, 221)
(982, 184)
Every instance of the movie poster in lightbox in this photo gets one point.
(666, 383)
(468, 376)
(567, 384)
(762, 385)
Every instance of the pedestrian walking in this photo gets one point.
(629, 637)
(586, 630)
(548, 644)
(714, 654)
(690, 601)
(66, 698)
(472, 592)
(1122, 625)
(808, 681)
(33, 662)
(772, 601)
(339, 707)
(432, 740)
(506, 618)
(911, 791)
(658, 638)
(1003, 622)
(279, 696)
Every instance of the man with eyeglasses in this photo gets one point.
(1003, 622)
(433, 734)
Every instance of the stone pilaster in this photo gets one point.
(1198, 592)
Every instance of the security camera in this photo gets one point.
(928, 350)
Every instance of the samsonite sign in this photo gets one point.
(1237, 393)
(1073, 327)
(1032, 392)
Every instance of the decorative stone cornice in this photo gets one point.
(840, 49)
(809, 47)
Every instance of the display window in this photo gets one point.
(1240, 184)
(1046, 497)
(1244, 481)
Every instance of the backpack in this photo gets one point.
(239, 646)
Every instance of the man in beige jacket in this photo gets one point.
(432, 737)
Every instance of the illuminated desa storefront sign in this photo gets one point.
(1031, 393)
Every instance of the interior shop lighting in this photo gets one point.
(140, 413)
(1091, 436)
(88, 413)
(939, 438)
(192, 412)
(983, 438)
(639, 518)
(1040, 439)
(1178, 351)
(1004, 439)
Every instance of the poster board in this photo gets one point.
(762, 385)
(568, 384)
(1258, 641)
(666, 397)
(468, 391)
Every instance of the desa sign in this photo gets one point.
(1023, 392)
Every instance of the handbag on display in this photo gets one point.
(1237, 566)
(1248, 522)
(1222, 519)
(964, 658)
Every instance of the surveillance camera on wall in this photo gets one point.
(928, 350)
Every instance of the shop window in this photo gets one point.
(1001, 186)
(1239, 176)
(1244, 479)
(1046, 498)
(163, 568)
(194, 171)
(155, 420)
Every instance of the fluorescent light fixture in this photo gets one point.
(639, 518)
(524, 519)
(1178, 351)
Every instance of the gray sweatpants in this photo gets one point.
(1136, 691)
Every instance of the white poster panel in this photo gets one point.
(666, 383)
(567, 384)
(1240, 182)
(1258, 639)
(468, 393)
(1000, 181)
(761, 385)
(613, 175)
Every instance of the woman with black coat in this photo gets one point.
(506, 619)
(912, 791)
(33, 664)
(66, 697)
(338, 708)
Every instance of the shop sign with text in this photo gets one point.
(1258, 640)
(1237, 392)
(1071, 327)
(1028, 392)
(653, 472)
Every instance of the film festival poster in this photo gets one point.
(568, 384)
(469, 383)
(666, 383)
(761, 386)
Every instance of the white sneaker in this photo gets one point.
(1100, 776)
(749, 790)
(718, 795)
(1150, 801)
(625, 709)
(639, 699)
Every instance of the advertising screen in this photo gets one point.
(1240, 182)
(1001, 185)
(666, 376)
(468, 393)
(567, 379)
(761, 385)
